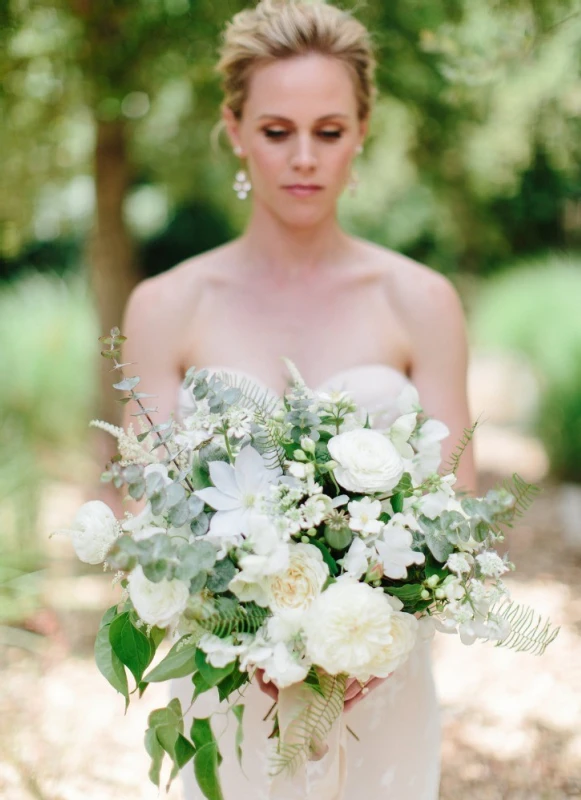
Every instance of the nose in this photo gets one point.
(303, 158)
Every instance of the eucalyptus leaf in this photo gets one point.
(157, 571)
(133, 473)
(154, 483)
(198, 582)
(137, 489)
(221, 575)
(157, 501)
(179, 514)
(200, 525)
(175, 494)
(195, 505)
(127, 384)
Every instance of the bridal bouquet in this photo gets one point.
(292, 536)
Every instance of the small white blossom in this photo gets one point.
(491, 564)
(459, 563)
(365, 516)
(314, 510)
(394, 546)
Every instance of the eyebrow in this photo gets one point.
(286, 119)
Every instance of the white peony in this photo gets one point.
(157, 603)
(352, 628)
(93, 531)
(367, 461)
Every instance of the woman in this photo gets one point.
(298, 82)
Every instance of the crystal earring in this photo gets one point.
(242, 185)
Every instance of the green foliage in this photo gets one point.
(528, 631)
(559, 425)
(132, 647)
(231, 617)
(308, 731)
(179, 662)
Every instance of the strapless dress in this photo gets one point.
(397, 753)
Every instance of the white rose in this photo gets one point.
(157, 603)
(368, 461)
(93, 531)
(298, 586)
(352, 628)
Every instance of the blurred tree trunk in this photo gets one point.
(113, 267)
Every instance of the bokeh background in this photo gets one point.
(111, 171)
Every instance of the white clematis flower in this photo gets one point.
(394, 546)
(427, 444)
(400, 433)
(236, 493)
(356, 562)
(365, 516)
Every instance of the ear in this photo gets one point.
(363, 130)
(232, 126)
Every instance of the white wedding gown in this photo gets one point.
(397, 756)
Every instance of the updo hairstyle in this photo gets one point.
(278, 29)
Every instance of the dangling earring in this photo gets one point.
(242, 185)
(354, 179)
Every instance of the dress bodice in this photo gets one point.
(374, 387)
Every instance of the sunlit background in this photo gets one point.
(111, 170)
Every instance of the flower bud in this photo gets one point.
(374, 573)
(305, 539)
(425, 595)
(433, 581)
(338, 535)
(307, 444)
(440, 594)
(299, 455)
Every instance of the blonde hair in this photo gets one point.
(278, 29)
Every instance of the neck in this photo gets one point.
(273, 247)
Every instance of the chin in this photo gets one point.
(305, 216)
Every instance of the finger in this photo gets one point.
(267, 686)
(353, 690)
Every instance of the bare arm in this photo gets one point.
(440, 359)
(153, 347)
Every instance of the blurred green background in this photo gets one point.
(110, 171)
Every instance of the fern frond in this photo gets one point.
(524, 493)
(467, 436)
(528, 632)
(308, 731)
(229, 618)
(262, 404)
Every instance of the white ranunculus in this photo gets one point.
(352, 628)
(367, 461)
(93, 531)
(301, 582)
(157, 603)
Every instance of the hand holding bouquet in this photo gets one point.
(289, 536)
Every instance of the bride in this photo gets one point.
(298, 84)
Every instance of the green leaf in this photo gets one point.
(109, 663)
(201, 732)
(327, 557)
(131, 645)
(409, 593)
(238, 711)
(200, 685)
(206, 771)
(231, 683)
(212, 675)
(179, 662)
(397, 502)
(184, 750)
(220, 576)
(108, 616)
(156, 753)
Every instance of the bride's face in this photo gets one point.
(299, 132)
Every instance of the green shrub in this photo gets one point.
(559, 426)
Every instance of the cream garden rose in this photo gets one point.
(367, 461)
(300, 584)
(354, 628)
(157, 603)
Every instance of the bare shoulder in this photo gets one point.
(163, 300)
(423, 297)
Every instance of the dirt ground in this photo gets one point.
(511, 722)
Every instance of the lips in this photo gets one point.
(303, 189)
